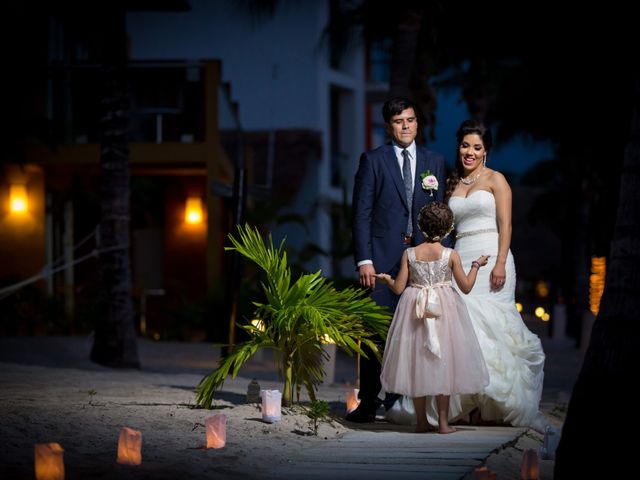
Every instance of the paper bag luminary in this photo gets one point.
(352, 400)
(529, 467)
(271, 402)
(49, 461)
(483, 473)
(129, 447)
(216, 431)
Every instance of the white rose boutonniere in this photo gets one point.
(429, 182)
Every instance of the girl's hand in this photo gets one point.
(383, 277)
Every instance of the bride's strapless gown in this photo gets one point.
(513, 354)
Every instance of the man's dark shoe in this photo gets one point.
(390, 399)
(365, 413)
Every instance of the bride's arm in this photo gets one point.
(502, 194)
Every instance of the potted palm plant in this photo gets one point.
(295, 319)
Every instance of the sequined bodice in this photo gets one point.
(475, 212)
(429, 273)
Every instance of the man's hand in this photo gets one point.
(367, 275)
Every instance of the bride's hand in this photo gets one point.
(498, 277)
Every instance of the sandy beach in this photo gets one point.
(83, 406)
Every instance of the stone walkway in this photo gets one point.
(397, 455)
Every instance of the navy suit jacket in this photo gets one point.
(380, 210)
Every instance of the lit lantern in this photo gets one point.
(529, 465)
(259, 324)
(550, 442)
(596, 282)
(49, 461)
(484, 473)
(328, 359)
(130, 446)
(193, 210)
(326, 339)
(352, 400)
(271, 402)
(18, 198)
(216, 431)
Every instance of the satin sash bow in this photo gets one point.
(428, 308)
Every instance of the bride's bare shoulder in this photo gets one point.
(496, 179)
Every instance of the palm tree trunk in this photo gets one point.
(115, 341)
(287, 394)
(601, 408)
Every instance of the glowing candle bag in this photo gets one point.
(130, 447)
(216, 427)
(483, 473)
(49, 461)
(352, 400)
(271, 402)
(529, 466)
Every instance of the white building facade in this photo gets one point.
(280, 73)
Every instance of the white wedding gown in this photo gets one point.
(513, 354)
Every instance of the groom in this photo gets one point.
(387, 197)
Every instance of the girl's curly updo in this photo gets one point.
(435, 221)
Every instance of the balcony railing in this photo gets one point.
(166, 102)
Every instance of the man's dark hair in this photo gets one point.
(395, 106)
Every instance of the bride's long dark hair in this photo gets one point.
(468, 127)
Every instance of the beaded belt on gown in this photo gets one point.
(476, 232)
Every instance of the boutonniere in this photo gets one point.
(429, 182)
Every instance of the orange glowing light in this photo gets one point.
(596, 282)
(18, 198)
(129, 446)
(193, 210)
(216, 427)
(352, 399)
(49, 461)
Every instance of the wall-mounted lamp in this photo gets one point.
(18, 199)
(193, 210)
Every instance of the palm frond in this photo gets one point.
(297, 317)
(228, 365)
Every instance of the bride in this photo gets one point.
(481, 202)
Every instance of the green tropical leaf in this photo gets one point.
(297, 317)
